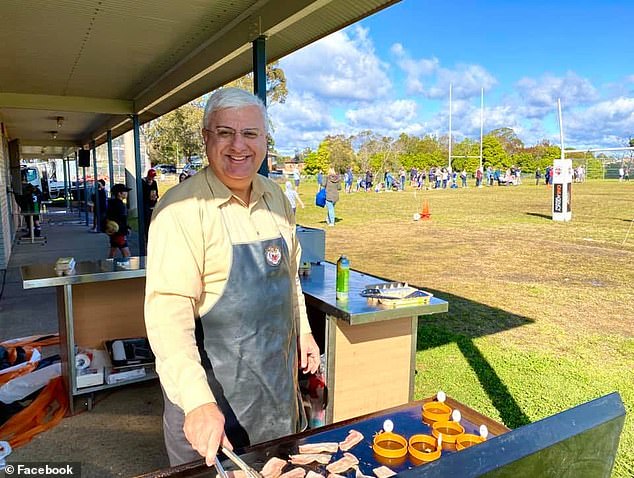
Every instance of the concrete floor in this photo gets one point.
(122, 434)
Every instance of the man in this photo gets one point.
(30, 202)
(117, 212)
(224, 309)
(150, 198)
(99, 196)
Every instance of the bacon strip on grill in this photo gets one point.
(383, 472)
(305, 459)
(273, 468)
(342, 464)
(351, 440)
(294, 473)
(312, 474)
(325, 447)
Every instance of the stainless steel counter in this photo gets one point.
(45, 275)
(319, 288)
(320, 291)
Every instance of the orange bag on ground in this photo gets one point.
(33, 341)
(26, 367)
(46, 411)
(29, 344)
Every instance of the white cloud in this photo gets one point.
(467, 80)
(342, 66)
(538, 97)
(302, 121)
(392, 115)
(607, 123)
(414, 69)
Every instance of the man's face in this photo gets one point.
(235, 140)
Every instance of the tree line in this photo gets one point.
(501, 149)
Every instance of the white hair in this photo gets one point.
(225, 98)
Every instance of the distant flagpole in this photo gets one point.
(450, 87)
(481, 122)
(561, 128)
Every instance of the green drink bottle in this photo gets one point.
(343, 277)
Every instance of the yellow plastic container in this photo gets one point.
(436, 412)
(424, 448)
(451, 431)
(466, 440)
(390, 445)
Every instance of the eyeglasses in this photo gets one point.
(227, 135)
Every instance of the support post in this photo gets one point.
(66, 178)
(77, 184)
(139, 184)
(259, 85)
(95, 187)
(85, 195)
(110, 159)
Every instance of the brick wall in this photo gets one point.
(5, 217)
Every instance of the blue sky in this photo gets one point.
(391, 72)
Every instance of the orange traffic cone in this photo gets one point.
(425, 214)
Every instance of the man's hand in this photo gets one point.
(205, 429)
(309, 353)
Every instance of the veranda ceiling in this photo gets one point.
(96, 62)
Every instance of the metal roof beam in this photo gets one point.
(79, 104)
(51, 142)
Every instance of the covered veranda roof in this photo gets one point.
(96, 62)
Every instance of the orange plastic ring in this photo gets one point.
(436, 412)
(466, 440)
(384, 437)
(451, 431)
(421, 455)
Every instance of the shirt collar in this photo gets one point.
(222, 194)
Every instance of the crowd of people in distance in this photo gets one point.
(434, 178)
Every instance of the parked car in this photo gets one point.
(192, 166)
(277, 176)
(166, 168)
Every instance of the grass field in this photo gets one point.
(541, 314)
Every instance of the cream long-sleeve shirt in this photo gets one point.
(188, 263)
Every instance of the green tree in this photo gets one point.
(367, 144)
(341, 154)
(509, 140)
(276, 89)
(464, 155)
(175, 135)
(547, 153)
(524, 160)
(314, 161)
(493, 154)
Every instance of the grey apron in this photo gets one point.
(248, 346)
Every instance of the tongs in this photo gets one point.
(250, 472)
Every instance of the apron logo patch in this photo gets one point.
(273, 255)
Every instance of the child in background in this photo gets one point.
(292, 196)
